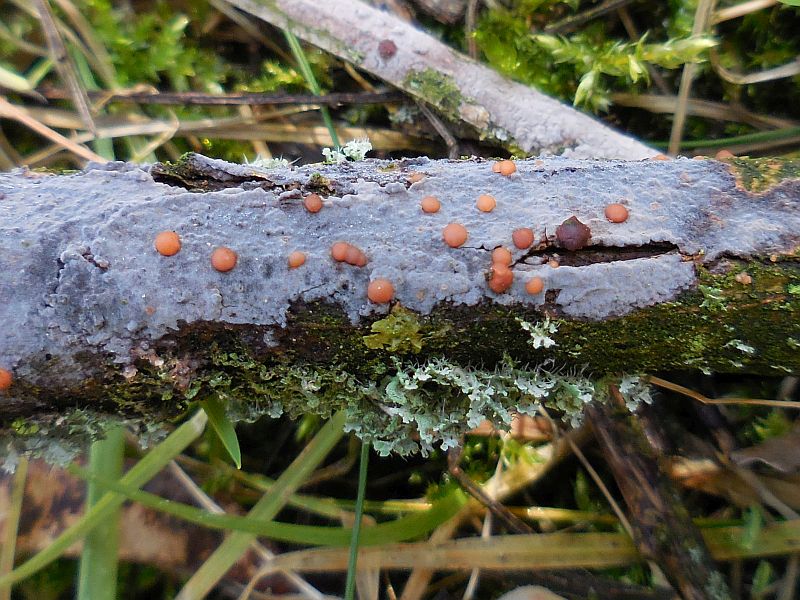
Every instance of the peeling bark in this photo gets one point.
(704, 274)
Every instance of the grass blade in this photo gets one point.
(308, 74)
(223, 428)
(142, 472)
(97, 579)
(350, 584)
(207, 576)
(402, 529)
(11, 523)
(13, 81)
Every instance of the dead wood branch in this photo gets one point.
(459, 87)
(703, 274)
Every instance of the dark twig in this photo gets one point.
(574, 21)
(253, 99)
(469, 28)
(662, 527)
(633, 33)
(499, 510)
(64, 64)
(441, 129)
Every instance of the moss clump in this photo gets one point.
(437, 89)
(760, 174)
(399, 332)
(319, 184)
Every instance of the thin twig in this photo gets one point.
(64, 64)
(764, 493)
(740, 10)
(790, 578)
(663, 383)
(204, 500)
(574, 21)
(704, 108)
(789, 69)
(234, 99)
(249, 27)
(469, 28)
(627, 22)
(103, 62)
(598, 481)
(701, 18)
(500, 511)
(10, 111)
(441, 129)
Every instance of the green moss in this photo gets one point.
(23, 428)
(319, 184)
(760, 174)
(467, 361)
(437, 89)
(399, 332)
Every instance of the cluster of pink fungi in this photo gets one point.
(572, 234)
(381, 291)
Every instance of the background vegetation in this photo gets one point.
(623, 61)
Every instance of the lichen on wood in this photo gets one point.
(703, 275)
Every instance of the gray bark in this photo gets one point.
(86, 300)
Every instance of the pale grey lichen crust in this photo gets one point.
(80, 272)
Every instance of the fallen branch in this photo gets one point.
(703, 274)
(511, 113)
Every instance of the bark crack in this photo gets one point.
(595, 254)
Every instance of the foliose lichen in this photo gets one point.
(540, 332)
(398, 332)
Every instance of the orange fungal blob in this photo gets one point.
(339, 251)
(507, 167)
(501, 256)
(500, 278)
(486, 203)
(224, 259)
(354, 256)
(496, 166)
(534, 285)
(454, 235)
(313, 203)
(296, 259)
(660, 157)
(380, 291)
(430, 204)
(6, 379)
(522, 237)
(616, 213)
(724, 155)
(168, 243)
